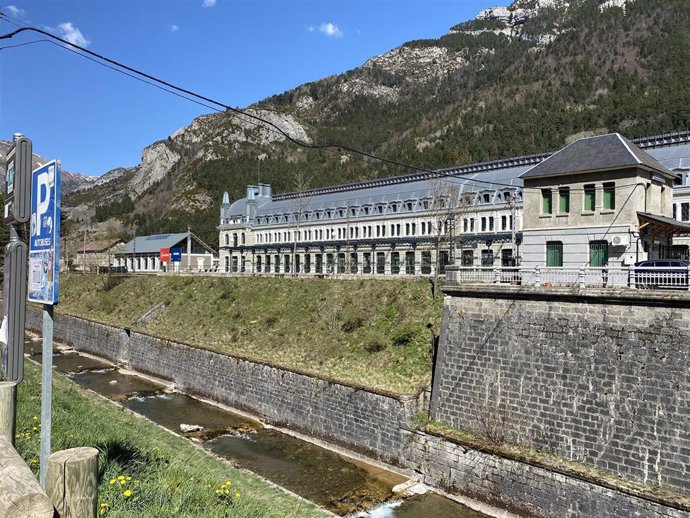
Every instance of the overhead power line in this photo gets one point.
(212, 104)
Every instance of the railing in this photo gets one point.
(585, 277)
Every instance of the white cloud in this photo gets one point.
(311, 28)
(332, 30)
(15, 11)
(209, 3)
(174, 27)
(69, 32)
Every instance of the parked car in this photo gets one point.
(661, 273)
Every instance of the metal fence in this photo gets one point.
(585, 277)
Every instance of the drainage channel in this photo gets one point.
(342, 485)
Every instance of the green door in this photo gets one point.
(598, 253)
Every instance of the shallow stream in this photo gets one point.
(342, 485)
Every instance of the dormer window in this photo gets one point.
(426, 204)
(410, 206)
(366, 211)
(486, 198)
(353, 212)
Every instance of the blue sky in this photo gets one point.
(235, 51)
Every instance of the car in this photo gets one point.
(661, 273)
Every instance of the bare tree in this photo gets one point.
(449, 204)
(302, 185)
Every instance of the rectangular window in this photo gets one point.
(286, 264)
(685, 211)
(258, 263)
(267, 267)
(554, 253)
(590, 198)
(234, 265)
(504, 222)
(598, 253)
(483, 224)
(353, 263)
(471, 224)
(564, 200)
(366, 267)
(409, 263)
(546, 207)
(468, 257)
(319, 263)
(487, 257)
(341, 263)
(426, 263)
(276, 264)
(443, 261)
(609, 196)
(380, 262)
(307, 263)
(395, 263)
(507, 257)
(491, 223)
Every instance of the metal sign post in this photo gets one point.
(44, 254)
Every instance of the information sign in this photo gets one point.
(44, 238)
(165, 255)
(176, 255)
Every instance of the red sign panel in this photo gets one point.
(165, 255)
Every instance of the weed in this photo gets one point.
(405, 335)
(374, 342)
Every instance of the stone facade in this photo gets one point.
(595, 378)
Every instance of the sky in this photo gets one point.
(235, 51)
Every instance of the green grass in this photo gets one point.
(368, 332)
(167, 475)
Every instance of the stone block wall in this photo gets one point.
(526, 490)
(360, 420)
(600, 379)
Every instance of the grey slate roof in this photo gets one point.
(600, 153)
(153, 244)
(670, 151)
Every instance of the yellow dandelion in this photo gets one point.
(218, 491)
(128, 478)
(121, 477)
(103, 504)
(112, 481)
(237, 495)
(35, 418)
(228, 483)
(127, 493)
(123, 482)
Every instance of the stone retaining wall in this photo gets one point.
(596, 379)
(377, 425)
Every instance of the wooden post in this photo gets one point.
(72, 482)
(20, 494)
(8, 409)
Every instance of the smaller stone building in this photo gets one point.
(95, 254)
(589, 205)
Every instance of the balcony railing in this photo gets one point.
(585, 277)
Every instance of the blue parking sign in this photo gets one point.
(44, 238)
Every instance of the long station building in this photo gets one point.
(416, 224)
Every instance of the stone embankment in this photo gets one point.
(376, 424)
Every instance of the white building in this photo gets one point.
(416, 224)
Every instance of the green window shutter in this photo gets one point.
(609, 196)
(546, 201)
(554, 254)
(564, 201)
(590, 197)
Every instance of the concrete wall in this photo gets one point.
(374, 424)
(600, 379)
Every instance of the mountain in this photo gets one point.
(515, 80)
(70, 181)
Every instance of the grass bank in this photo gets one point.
(145, 471)
(372, 332)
